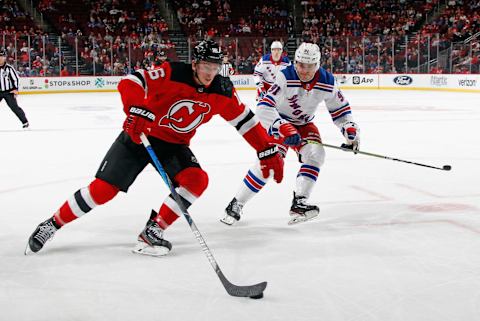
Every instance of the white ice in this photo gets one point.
(393, 241)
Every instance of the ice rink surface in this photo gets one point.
(393, 241)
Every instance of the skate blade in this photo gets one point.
(296, 218)
(227, 219)
(145, 249)
(28, 251)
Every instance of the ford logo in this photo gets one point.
(403, 80)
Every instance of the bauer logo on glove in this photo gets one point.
(270, 160)
(142, 113)
(139, 120)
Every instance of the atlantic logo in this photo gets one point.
(438, 81)
(241, 82)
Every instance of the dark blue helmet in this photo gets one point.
(3, 52)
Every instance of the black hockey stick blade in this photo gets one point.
(244, 291)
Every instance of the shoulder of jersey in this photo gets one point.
(326, 77)
(266, 57)
(286, 61)
(290, 73)
(222, 86)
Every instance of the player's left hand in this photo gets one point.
(351, 132)
(270, 159)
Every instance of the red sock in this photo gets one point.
(84, 200)
(192, 182)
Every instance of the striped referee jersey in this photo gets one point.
(9, 79)
(226, 70)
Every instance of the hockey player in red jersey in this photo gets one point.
(168, 105)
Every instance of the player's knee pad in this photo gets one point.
(312, 154)
(193, 179)
(101, 191)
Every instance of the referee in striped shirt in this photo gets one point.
(226, 68)
(9, 82)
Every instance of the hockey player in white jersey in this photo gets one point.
(287, 111)
(267, 68)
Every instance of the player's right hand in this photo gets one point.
(290, 133)
(139, 120)
(271, 160)
(351, 132)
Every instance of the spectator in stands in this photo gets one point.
(65, 72)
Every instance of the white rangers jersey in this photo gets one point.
(266, 70)
(291, 100)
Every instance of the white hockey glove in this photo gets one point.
(351, 132)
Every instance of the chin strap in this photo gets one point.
(197, 79)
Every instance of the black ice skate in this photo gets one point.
(43, 233)
(151, 241)
(301, 211)
(233, 212)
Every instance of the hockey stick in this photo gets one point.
(253, 291)
(346, 149)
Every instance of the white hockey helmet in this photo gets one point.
(308, 53)
(276, 45)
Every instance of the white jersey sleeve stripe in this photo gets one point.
(234, 122)
(246, 121)
(138, 77)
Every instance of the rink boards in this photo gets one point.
(437, 82)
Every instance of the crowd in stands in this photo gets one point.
(241, 26)
(377, 28)
(343, 18)
(105, 39)
(217, 18)
(458, 21)
(115, 37)
(26, 44)
(110, 32)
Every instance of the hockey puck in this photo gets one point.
(256, 297)
(447, 167)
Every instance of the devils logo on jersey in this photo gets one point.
(185, 115)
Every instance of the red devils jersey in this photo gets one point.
(181, 106)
